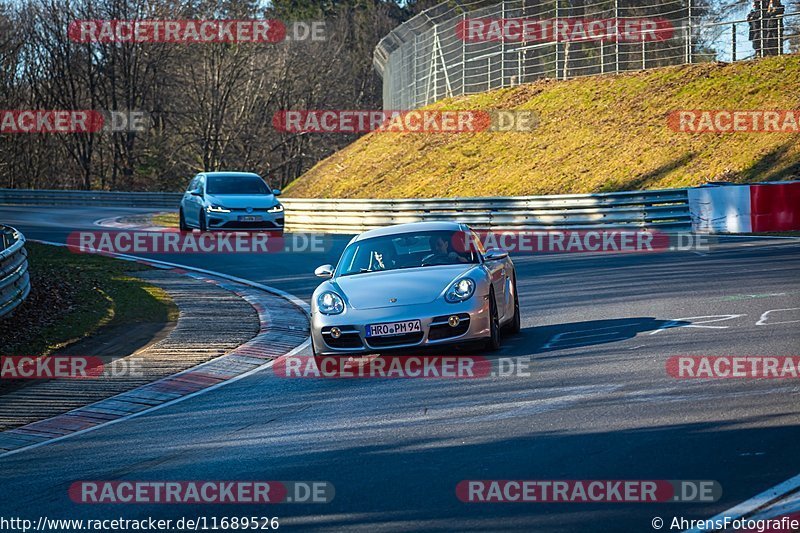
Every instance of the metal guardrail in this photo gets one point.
(668, 209)
(15, 284)
(89, 198)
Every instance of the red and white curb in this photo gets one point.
(283, 332)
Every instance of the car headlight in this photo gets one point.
(460, 291)
(217, 209)
(330, 303)
(275, 209)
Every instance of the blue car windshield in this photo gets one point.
(216, 185)
(406, 250)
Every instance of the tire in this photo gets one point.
(493, 342)
(516, 323)
(182, 221)
(203, 224)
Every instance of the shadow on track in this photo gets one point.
(542, 339)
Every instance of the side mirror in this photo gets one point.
(276, 192)
(495, 254)
(196, 192)
(325, 271)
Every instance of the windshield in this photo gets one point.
(406, 250)
(216, 185)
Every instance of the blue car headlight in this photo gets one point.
(213, 208)
(460, 291)
(330, 303)
(275, 209)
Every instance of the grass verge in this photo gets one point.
(595, 134)
(73, 295)
(165, 220)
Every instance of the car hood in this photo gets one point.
(412, 286)
(256, 201)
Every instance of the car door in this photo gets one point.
(196, 202)
(185, 201)
(188, 203)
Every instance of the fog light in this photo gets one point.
(336, 333)
(453, 321)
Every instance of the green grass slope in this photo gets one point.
(597, 134)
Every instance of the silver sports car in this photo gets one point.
(411, 286)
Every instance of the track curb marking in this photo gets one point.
(245, 360)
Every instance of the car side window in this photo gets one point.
(192, 185)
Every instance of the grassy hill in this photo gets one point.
(596, 134)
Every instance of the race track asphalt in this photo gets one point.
(598, 403)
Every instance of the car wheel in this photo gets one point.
(203, 224)
(182, 221)
(493, 342)
(516, 323)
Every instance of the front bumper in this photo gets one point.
(474, 324)
(239, 219)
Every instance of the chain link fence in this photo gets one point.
(454, 48)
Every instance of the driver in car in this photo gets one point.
(442, 254)
(380, 260)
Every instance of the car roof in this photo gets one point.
(222, 174)
(411, 228)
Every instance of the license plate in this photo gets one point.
(249, 218)
(394, 328)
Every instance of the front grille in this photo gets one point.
(345, 341)
(349, 339)
(264, 224)
(395, 340)
(439, 330)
